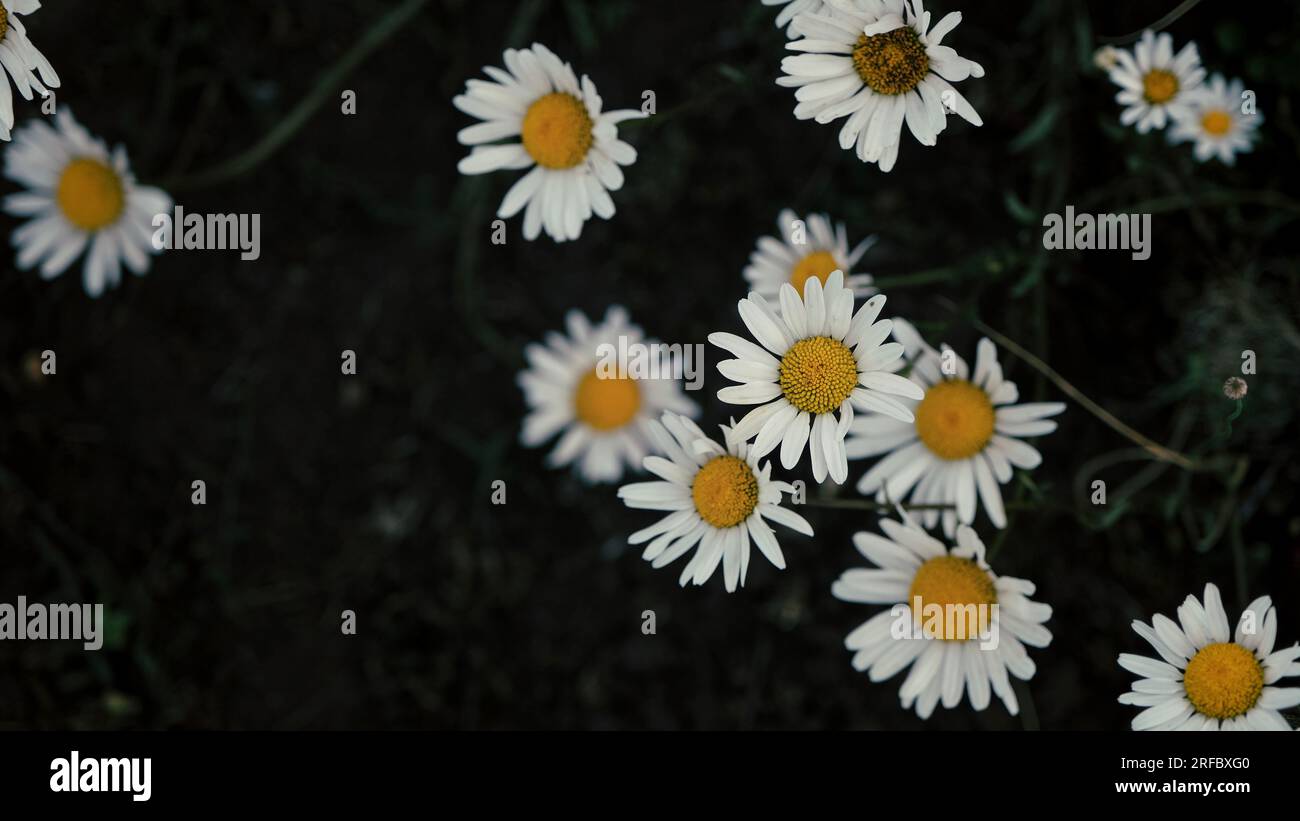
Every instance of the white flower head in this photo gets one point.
(554, 124)
(80, 197)
(813, 359)
(1155, 84)
(602, 418)
(718, 500)
(811, 247)
(879, 63)
(1208, 678)
(1218, 121)
(984, 621)
(962, 442)
(22, 61)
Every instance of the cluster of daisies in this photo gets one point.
(819, 374)
(80, 197)
(1161, 89)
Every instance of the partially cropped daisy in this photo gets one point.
(22, 61)
(600, 407)
(718, 501)
(537, 115)
(816, 358)
(962, 442)
(1155, 84)
(958, 625)
(80, 197)
(793, 8)
(1211, 679)
(807, 248)
(1216, 123)
(878, 63)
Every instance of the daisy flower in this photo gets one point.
(1210, 679)
(878, 63)
(717, 501)
(1216, 123)
(962, 442)
(816, 357)
(1155, 84)
(603, 420)
(21, 60)
(960, 626)
(79, 197)
(554, 125)
(819, 249)
(794, 8)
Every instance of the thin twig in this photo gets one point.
(1159, 451)
(1167, 20)
(325, 87)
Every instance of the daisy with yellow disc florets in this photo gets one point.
(812, 247)
(717, 499)
(1208, 677)
(537, 115)
(814, 359)
(1155, 84)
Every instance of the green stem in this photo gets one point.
(325, 87)
(1168, 19)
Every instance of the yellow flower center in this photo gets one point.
(1216, 123)
(963, 593)
(557, 130)
(818, 374)
(90, 194)
(1159, 86)
(725, 491)
(955, 419)
(1223, 680)
(606, 403)
(891, 63)
(4, 23)
(818, 264)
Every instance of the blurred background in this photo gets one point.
(372, 492)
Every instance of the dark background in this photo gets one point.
(371, 492)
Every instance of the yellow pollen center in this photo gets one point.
(725, 491)
(891, 63)
(557, 130)
(818, 374)
(1216, 123)
(818, 264)
(955, 419)
(1223, 680)
(1159, 86)
(952, 582)
(90, 194)
(4, 22)
(608, 403)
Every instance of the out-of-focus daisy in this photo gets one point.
(604, 418)
(22, 61)
(1215, 121)
(792, 9)
(79, 197)
(1210, 679)
(878, 63)
(1155, 84)
(553, 124)
(816, 357)
(821, 249)
(965, 627)
(962, 442)
(716, 498)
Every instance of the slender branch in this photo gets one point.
(325, 87)
(1167, 20)
(1157, 450)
